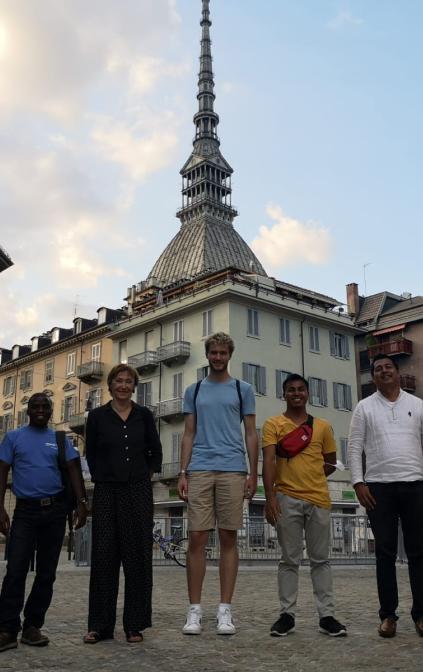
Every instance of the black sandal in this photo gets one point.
(93, 637)
(134, 637)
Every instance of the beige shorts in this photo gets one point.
(215, 497)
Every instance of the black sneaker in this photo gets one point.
(330, 626)
(283, 626)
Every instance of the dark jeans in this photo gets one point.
(403, 501)
(41, 528)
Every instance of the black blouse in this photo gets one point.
(121, 451)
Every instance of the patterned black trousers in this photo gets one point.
(121, 534)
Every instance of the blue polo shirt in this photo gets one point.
(33, 454)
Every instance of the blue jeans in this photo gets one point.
(43, 529)
(401, 500)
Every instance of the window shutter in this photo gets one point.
(62, 410)
(245, 372)
(347, 347)
(332, 343)
(279, 390)
(311, 338)
(335, 395)
(324, 393)
(287, 331)
(262, 374)
(348, 397)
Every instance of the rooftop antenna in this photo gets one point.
(364, 276)
(75, 308)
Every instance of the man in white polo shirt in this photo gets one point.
(388, 428)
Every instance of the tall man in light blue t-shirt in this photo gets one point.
(214, 478)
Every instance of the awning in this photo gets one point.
(389, 330)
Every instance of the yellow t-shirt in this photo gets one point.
(302, 476)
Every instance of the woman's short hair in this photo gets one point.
(122, 368)
(220, 339)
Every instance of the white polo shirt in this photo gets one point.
(391, 435)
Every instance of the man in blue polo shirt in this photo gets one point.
(38, 522)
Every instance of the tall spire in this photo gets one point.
(206, 119)
(207, 240)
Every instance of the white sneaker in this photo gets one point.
(193, 622)
(225, 624)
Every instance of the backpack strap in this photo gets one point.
(238, 389)
(196, 391)
(61, 449)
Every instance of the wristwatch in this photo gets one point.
(182, 472)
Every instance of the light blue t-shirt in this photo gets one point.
(33, 454)
(219, 443)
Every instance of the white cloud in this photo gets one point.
(344, 19)
(290, 242)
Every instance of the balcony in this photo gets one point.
(153, 409)
(77, 423)
(90, 372)
(175, 352)
(408, 383)
(169, 410)
(402, 346)
(144, 362)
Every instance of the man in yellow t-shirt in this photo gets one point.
(297, 501)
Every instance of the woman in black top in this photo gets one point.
(123, 450)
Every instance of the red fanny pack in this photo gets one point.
(294, 442)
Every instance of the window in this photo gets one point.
(342, 397)
(6, 422)
(96, 352)
(22, 417)
(178, 330)
(9, 386)
(344, 451)
(176, 447)
(49, 372)
(68, 408)
(281, 376)
(144, 394)
(15, 351)
(178, 385)
(55, 335)
(26, 379)
(102, 315)
(148, 340)
(34, 344)
(252, 322)
(123, 354)
(93, 398)
(207, 323)
(202, 372)
(339, 346)
(70, 364)
(314, 339)
(318, 392)
(78, 326)
(284, 331)
(256, 376)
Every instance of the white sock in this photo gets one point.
(223, 606)
(195, 607)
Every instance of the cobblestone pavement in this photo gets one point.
(251, 649)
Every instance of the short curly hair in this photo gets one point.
(220, 338)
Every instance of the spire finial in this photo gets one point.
(206, 120)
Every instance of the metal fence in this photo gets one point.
(351, 541)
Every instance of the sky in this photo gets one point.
(320, 105)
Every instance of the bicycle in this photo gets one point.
(173, 548)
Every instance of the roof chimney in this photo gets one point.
(353, 301)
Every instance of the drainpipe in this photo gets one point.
(160, 376)
(302, 348)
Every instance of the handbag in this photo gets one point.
(295, 441)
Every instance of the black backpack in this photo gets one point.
(71, 501)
